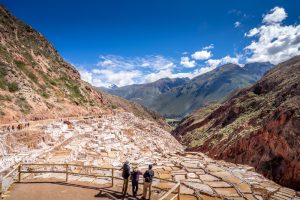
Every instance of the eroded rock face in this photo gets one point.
(258, 126)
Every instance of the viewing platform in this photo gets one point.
(68, 181)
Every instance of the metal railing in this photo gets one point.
(15, 175)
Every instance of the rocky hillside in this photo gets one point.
(259, 126)
(207, 88)
(36, 83)
(145, 94)
(118, 103)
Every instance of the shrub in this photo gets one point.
(5, 98)
(23, 105)
(53, 82)
(13, 87)
(114, 106)
(21, 65)
(2, 113)
(45, 94)
(3, 73)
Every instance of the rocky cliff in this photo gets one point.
(259, 126)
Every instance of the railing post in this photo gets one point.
(112, 177)
(178, 192)
(67, 172)
(19, 170)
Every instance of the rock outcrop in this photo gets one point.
(258, 126)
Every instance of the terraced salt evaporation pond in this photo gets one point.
(112, 139)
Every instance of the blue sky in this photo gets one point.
(135, 41)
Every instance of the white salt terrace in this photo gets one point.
(110, 140)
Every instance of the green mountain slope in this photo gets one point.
(207, 88)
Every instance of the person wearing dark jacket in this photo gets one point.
(135, 175)
(148, 177)
(125, 175)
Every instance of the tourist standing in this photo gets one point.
(148, 177)
(135, 175)
(125, 175)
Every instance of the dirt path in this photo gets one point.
(63, 191)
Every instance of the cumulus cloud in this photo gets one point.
(86, 75)
(202, 55)
(273, 41)
(186, 62)
(213, 63)
(276, 15)
(106, 77)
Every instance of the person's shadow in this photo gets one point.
(113, 195)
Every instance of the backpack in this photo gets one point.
(126, 171)
(149, 174)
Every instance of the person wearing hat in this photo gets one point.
(125, 175)
(148, 177)
(135, 175)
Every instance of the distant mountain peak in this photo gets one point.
(229, 66)
(112, 86)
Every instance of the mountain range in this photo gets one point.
(176, 98)
(257, 126)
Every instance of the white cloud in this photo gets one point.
(186, 62)
(155, 62)
(86, 75)
(276, 15)
(213, 63)
(211, 46)
(168, 73)
(120, 78)
(202, 55)
(237, 24)
(273, 41)
(252, 32)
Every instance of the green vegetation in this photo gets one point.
(23, 105)
(3, 73)
(44, 94)
(113, 106)
(3, 53)
(49, 105)
(13, 87)
(53, 82)
(2, 113)
(21, 65)
(173, 122)
(73, 87)
(5, 98)
(4, 84)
